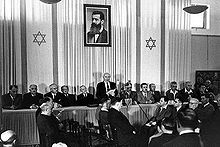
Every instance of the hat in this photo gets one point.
(8, 137)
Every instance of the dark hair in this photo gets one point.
(207, 95)
(187, 118)
(168, 123)
(114, 100)
(11, 86)
(200, 85)
(128, 83)
(173, 82)
(64, 86)
(44, 100)
(143, 84)
(166, 99)
(102, 17)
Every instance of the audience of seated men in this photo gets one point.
(187, 122)
(85, 98)
(187, 92)
(104, 86)
(129, 97)
(12, 100)
(163, 111)
(57, 97)
(167, 125)
(156, 94)
(144, 96)
(32, 98)
(125, 132)
(172, 93)
(71, 98)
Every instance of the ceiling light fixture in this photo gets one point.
(195, 9)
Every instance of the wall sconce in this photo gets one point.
(195, 9)
(50, 1)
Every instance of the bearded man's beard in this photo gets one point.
(94, 29)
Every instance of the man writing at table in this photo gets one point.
(12, 100)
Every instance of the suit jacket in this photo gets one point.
(160, 140)
(101, 39)
(133, 95)
(120, 122)
(184, 95)
(101, 90)
(156, 95)
(48, 127)
(7, 101)
(59, 98)
(28, 100)
(143, 100)
(170, 95)
(71, 98)
(162, 113)
(84, 101)
(205, 113)
(185, 140)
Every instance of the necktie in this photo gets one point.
(108, 87)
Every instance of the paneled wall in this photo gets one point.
(205, 53)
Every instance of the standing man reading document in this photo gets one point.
(104, 87)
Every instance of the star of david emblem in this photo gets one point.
(39, 38)
(150, 43)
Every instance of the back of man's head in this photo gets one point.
(168, 124)
(8, 138)
(187, 118)
(114, 100)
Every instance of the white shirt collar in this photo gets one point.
(206, 104)
(190, 91)
(186, 131)
(171, 91)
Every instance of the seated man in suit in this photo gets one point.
(31, 99)
(166, 126)
(58, 98)
(71, 98)
(104, 87)
(12, 100)
(172, 93)
(206, 111)
(85, 98)
(129, 97)
(156, 94)
(163, 111)
(49, 126)
(125, 132)
(144, 97)
(187, 122)
(186, 93)
(200, 91)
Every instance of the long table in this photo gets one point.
(23, 122)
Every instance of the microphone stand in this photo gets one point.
(143, 111)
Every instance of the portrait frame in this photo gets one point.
(103, 38)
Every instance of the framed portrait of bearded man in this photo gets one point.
(97, 25)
